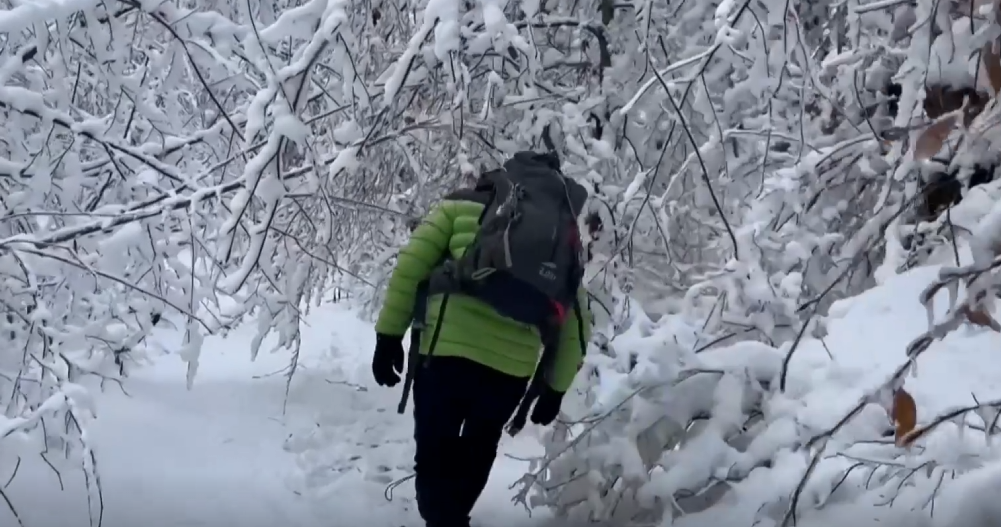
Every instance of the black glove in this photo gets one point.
(387, 363)
(547, 406)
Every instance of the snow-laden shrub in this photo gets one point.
(170, 164)
(826, 218)
(801, 434)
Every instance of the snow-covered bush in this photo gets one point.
(801, 434)
(676, 420)
(172, 163)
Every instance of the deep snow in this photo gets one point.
(224, 453)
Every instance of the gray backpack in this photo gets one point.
(527, 262)
(527, 259)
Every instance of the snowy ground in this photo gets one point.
(224, 453)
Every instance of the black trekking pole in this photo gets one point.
(535, 386)
(550, 334)
(417, 326)
(413, 358)
(521, 415)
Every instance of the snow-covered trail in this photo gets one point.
(173, 457)
(224, 453)
(347, 458)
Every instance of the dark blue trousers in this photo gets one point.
(460, 409)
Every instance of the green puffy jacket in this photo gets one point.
(471, 328)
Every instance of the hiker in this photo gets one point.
(504, 324)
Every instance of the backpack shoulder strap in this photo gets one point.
(580, 325)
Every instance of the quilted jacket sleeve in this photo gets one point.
(571, 351)
(427, 246)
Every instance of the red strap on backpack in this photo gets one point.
(576, 244)
(560, 311)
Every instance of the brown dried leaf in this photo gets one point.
(975, 106)
(941, 99)
(932, 138)
(982, 319)
(904, 415)
(992, 65)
